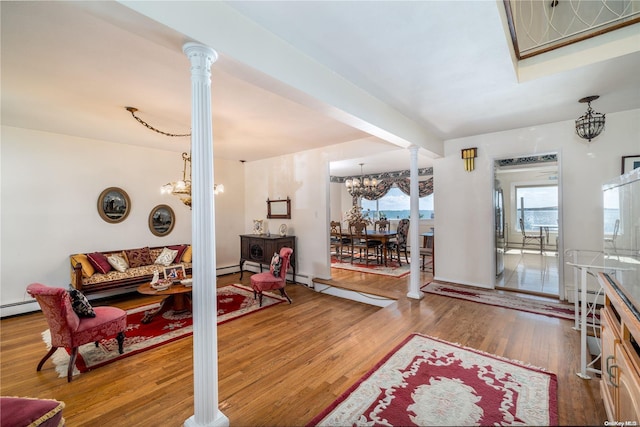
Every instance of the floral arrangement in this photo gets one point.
(355, 215)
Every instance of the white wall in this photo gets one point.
(463, 200)
(50, 185)
(303, 177)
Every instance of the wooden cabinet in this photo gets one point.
(620, 383)
(259, 248)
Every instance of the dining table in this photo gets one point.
(383, 236)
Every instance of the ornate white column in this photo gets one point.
(414, 229)
(203, 240)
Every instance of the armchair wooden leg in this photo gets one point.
(260, 298)
(120, 339)
(46, 356)
(72, 363)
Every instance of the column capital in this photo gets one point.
(201, 58)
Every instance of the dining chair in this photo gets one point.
(338, 239)
(612, 240)
(400, 242)
(534, 237)
(380, 226)
(360, 240)
(70, 331)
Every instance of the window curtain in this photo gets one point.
(425, 188)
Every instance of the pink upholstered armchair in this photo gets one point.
(267, 281)
(70, 331)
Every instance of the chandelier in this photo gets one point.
(591, 124)
(361, 187)
(182, 187)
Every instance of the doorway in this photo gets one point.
(528, 229)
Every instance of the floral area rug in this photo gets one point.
(391, 269)
(233, 301)
(506, 300)
(426, 381)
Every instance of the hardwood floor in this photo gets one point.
(283, 365)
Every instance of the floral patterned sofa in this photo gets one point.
(125, 269)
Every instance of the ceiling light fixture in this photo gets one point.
(591, 124)
(182, 187)
(361, 187)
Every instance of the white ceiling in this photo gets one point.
(72, 67)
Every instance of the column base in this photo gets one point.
(415, 295)
(221, 420)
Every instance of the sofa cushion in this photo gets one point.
(81, 304)
(87, 268)
(180, 249)
(138, 257)
(166, 257)
(25, 411)
(187, 255)
(99, 262)
(118, 262)
(132, 275)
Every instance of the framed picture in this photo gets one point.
(630, 163)
(175, 272)
(161, 220)
(114, 205)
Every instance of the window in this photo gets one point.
(396, 205)
(538, 205)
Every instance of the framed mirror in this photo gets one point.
(279, 208)
(114, 205)
(161, 220)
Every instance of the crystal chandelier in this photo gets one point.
(591, 124)
(182, 188)
(361, 187)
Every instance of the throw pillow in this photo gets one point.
(118, 262)
(138, 257)
(180, 249)
(99, 262)
(166, 257)
(80, 304)
(87, 268)
(187, 255)
(276, 265)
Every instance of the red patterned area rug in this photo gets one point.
(391, 269)
(505, 300)
(233, 301)
(429, 382)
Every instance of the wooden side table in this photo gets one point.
(260, 248)
(177, 298)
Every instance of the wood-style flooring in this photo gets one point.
(283, 365)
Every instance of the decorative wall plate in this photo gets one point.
(283, 229)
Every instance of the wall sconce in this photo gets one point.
(468, 154)
(591, 124)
